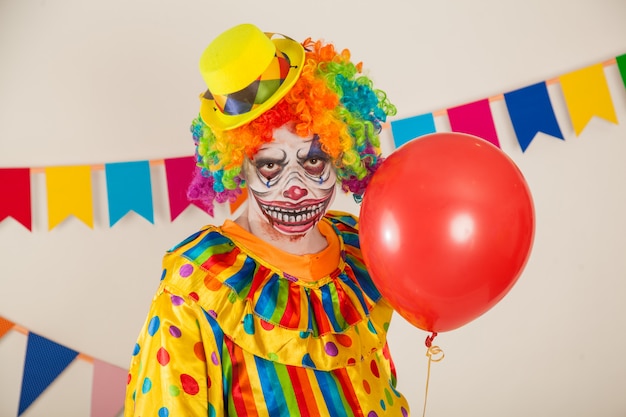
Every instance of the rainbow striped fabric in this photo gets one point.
(228, 335)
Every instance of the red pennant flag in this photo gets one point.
(15, 195)
(475, 119)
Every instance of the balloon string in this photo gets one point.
(435, 354)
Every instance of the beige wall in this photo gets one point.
(89, 82)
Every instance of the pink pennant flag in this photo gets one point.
(108, 389)
(179, 172)
(475, 119)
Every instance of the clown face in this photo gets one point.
(292, 182)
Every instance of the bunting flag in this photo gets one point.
(5, 326)
(129, 188)
(404, 130)
(15, 195)
(530, 111)
(586, 95)
(241, 198)
(179, 172)
(45, 360)
(108, 389)
(475, 119)
(621, 65)
(69, 193)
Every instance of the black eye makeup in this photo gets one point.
(315, 162)
(269, 166)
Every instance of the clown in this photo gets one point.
(273, 313)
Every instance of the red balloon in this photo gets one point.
(447, 224)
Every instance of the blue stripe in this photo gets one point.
(364, 279)
(213, 242)
(355, 288)
(266, 304)
(331, 394)
(242, 278)
(272, 390)
(327, 302)
(218, 334)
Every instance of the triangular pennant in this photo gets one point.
(404, 130)
(5, 326)
(69, 193)
(108, 389)
(587, 94)
(129, 188)
(475, 119)
(241, 198)
(621, 65)
(45, 360)
(531, 112)
(179, 172)
(15, 195)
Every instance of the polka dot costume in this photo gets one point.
(228, 334)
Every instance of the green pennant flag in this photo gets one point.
(621, 64)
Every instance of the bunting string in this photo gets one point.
(46, 360)
(585, 93)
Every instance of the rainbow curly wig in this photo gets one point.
(332, 99)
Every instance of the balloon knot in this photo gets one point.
(429, 339)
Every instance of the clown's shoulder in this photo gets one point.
(343, 220)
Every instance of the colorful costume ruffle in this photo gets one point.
(230, 335)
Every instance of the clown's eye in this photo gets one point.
(268, 169)
(315, 166)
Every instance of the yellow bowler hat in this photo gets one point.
(246, 72)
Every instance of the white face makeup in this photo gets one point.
(292, 182)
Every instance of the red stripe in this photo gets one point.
(323, 325)
(259, 277)
(304, 393)
(244, 404)
(291, 316)
(224, 260)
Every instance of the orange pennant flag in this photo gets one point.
(587, 94)
(69, 193)
(241, 198)
(5, 326)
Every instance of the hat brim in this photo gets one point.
(217, 120)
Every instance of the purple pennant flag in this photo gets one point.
(475, 119)
(404, 130)
(129, 188)
(531, 112)
(45, 360)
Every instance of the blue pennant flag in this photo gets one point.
(404, 130)
(531, 112)
(129, 188)
(45, 360)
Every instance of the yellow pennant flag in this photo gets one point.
(587, 94)
(69, 192)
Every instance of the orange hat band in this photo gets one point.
(257, 92)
